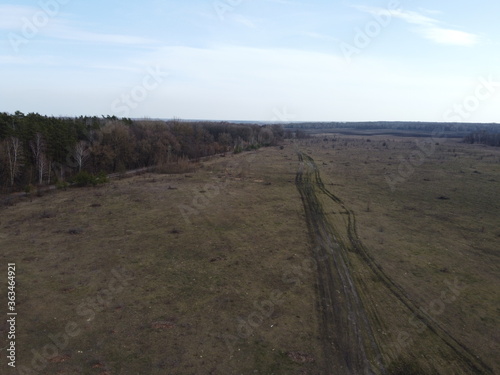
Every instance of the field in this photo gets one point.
(339, 254)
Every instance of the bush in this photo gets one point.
(28, 189)
(252, 147)
(84, 178)
(62, 185)
(101, 178)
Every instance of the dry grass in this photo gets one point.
(425, 243)
(182, 165)
(230, 290)
(194, 282)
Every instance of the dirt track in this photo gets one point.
(349, 313)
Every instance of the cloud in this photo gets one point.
(428, 27)
(14, 60)
(244, 21)
(430, 11)
(69, 33)
(449, 36)
(319, 36)
(286, 2)
(13, 17)
(230, 81)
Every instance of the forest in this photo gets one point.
(459, 128)
(38, 150)
(484, 137)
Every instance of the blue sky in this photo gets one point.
(267, 60)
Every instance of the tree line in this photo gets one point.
(42, 150)
(396, 125)
(484, 137)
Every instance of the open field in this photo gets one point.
(436, 227)
(234, 269)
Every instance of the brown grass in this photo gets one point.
(207, 296)
(425, 243)
(229, 289)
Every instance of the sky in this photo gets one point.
(253, 60)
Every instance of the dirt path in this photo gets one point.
(347, 310)
(347, 338)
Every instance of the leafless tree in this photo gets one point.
(81, 154)
(266, 136)
(13, 150)
(225, 141)
(38, 148)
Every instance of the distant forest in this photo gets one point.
(487, 134)
(398, 125)
(41, 150)
(484, 137)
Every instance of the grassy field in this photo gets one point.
(205, 258)
(212, 272)
(435, 233)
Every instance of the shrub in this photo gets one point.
(62, 185)
(101, 178)
(85, 178)
(252, 147)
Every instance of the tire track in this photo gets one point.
(348, 340)
(348, 343)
